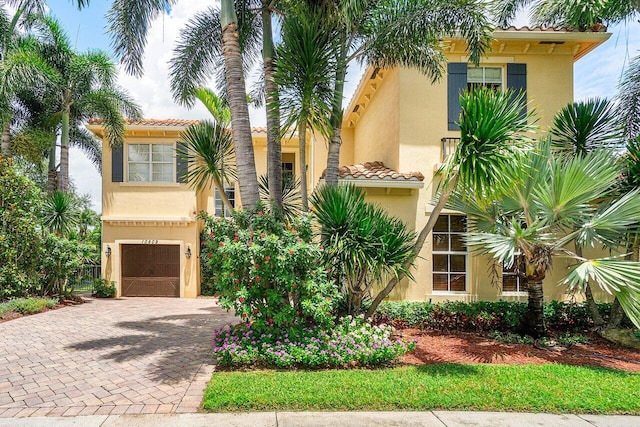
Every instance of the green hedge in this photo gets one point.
(26, 305)
(484, 316)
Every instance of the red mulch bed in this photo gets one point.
(471, 348)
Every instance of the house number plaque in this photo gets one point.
(149, 242)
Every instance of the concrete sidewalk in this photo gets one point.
(331, 419)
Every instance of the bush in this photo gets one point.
(353, 341)
(61, 259)
(27, 305)
(103, 288)
(19, 237)
(484, 316)
(268, 273)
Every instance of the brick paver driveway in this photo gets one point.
(130, 355)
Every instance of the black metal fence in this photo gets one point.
(83, 280)
(448, 146)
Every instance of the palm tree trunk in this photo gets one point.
(302, 142)
(534, 320)
(52, 174)
(616, 315)
(417, 246)
(237, 97)
(5, 148)
(591, 302)
(63, 181)
(333, 156)
(274, 149)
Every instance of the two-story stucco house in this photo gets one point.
(397, 129)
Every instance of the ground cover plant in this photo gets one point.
(527, 388)
(26, 306)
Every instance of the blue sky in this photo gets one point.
(597, 74)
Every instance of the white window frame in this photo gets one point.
(449, 252)
(519, 284)
(484, 82)
(151, 162)
(217, 200)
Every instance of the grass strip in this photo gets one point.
(530, 388)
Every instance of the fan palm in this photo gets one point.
(291, 199)
(580, 128)
(85, 87)
(306, 53)
(493, 137)
(544, 204)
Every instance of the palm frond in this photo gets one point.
(208, 149)
(80, 137)
(629, 99)
(504, 11)
(584, 126)
(217, 106)
(291, 198)
(60, 213)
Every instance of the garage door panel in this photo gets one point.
(151, 270)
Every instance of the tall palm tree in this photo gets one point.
(535, 204)
(578, 129)
(20, 67)
(389, 34)
(493, 137)
(306, 53)
(85, 87)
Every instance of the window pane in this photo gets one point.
(458, 282)
(509, 283)
(440, 242)
(442, 224)
(138, 172)
(440, 263)
(138, 152)
(458, 223)
(440, 282)
(458, 263)
(162, 153)
(162, 172)
(474, 74)
(457, 243)
(493, 74)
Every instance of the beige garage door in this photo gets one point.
(150, 270)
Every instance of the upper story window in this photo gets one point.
(450, 254)
(221, 209)
(489, 77)
(287, 171)
(150, 163)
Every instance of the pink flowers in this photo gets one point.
(221, 244)
(267, 258)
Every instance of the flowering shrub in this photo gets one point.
(268, 273)
(351, 341)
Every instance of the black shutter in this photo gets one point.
(117, 171)
(517, 81)
(456, 84)
(181, 163)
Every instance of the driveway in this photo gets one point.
(129, 355)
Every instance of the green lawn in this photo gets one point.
(545, 388)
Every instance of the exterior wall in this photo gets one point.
(419, 122)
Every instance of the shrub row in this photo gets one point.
(484, 316)
(26, 305)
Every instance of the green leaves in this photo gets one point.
(60, 212)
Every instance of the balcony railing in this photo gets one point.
(448, 146)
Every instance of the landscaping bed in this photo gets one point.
(20, 307)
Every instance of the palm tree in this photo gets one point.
(60, 213)
(389, 34)
(305, 55)
(493, 136)
(85, 86)
(578, 129)
(545, 203)
(20, 66)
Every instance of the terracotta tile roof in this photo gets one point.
(167, 122)
(375, 171)
(526, 28)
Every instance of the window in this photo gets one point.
(150, 163)
(490, 77)
(512, 282)
(287, 172)
(221, 209)
(450, 254)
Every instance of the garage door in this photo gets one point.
(150, 270)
